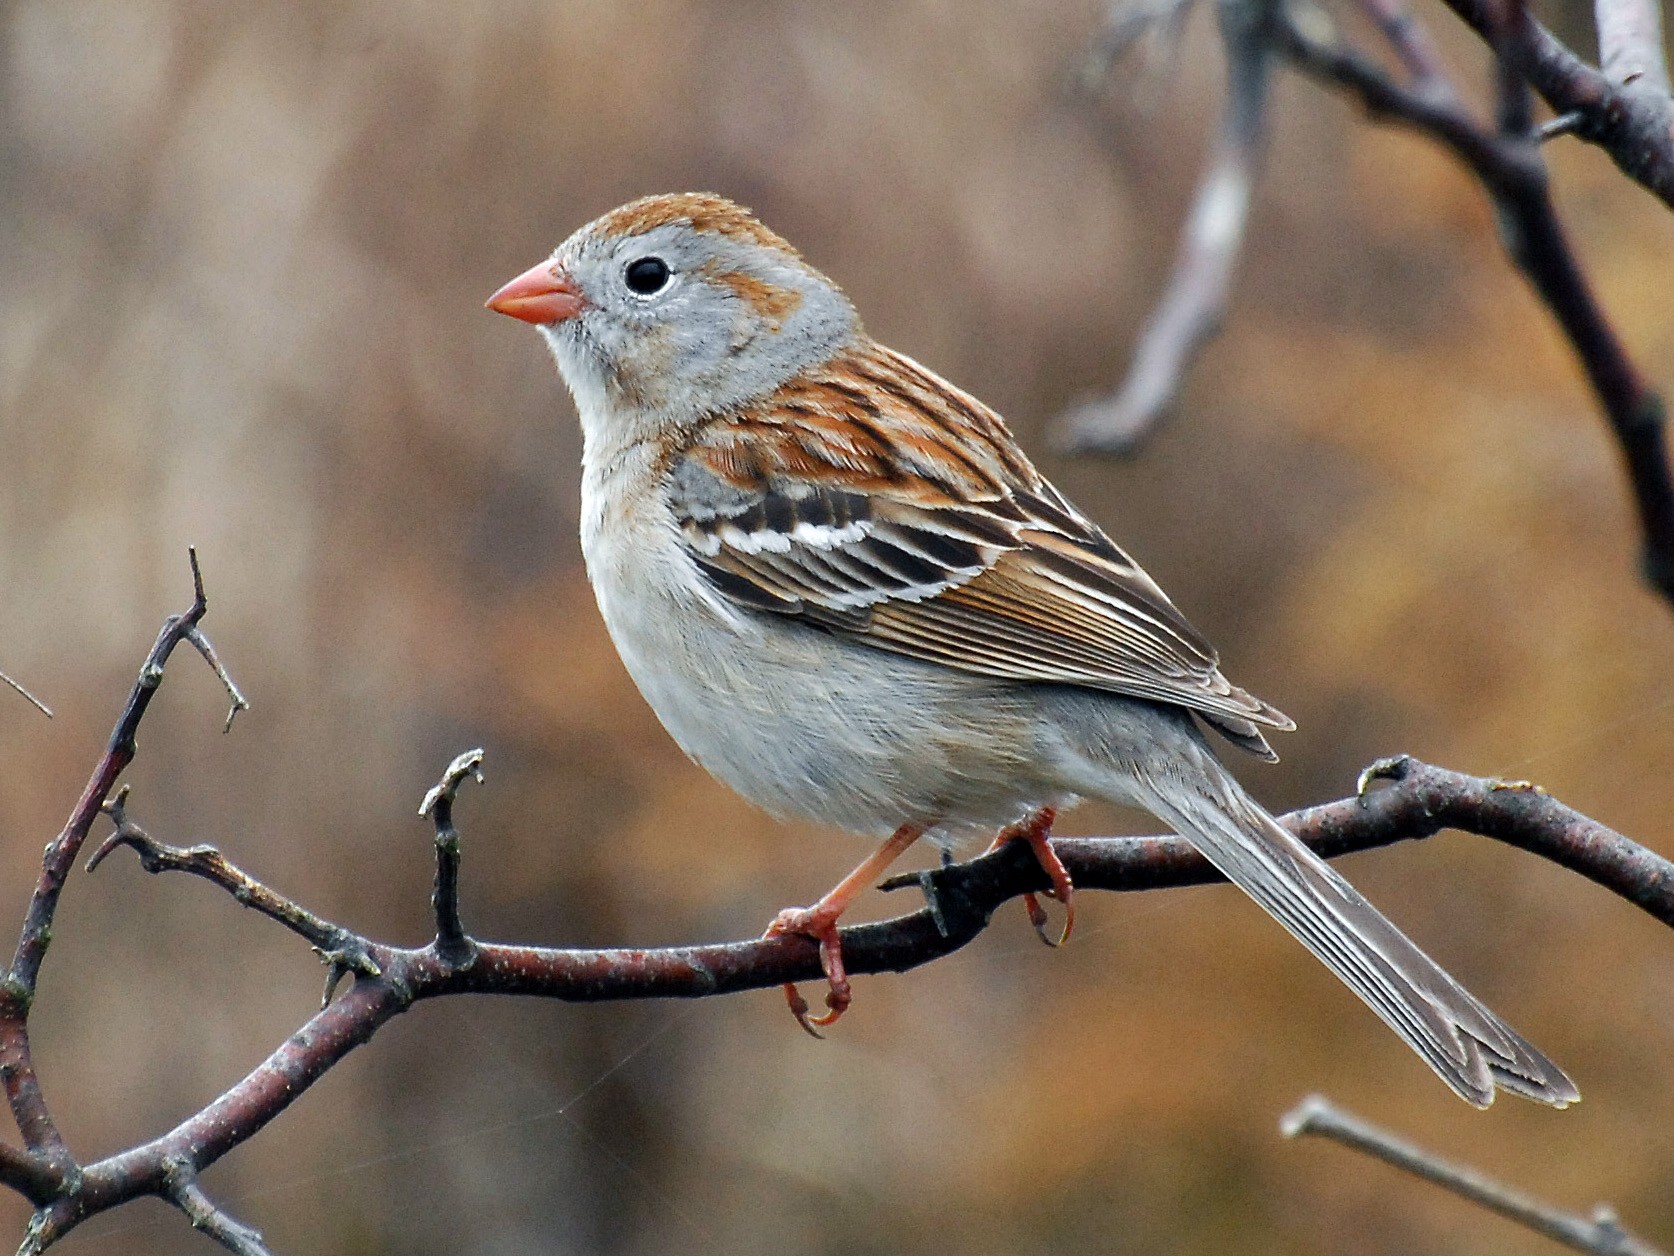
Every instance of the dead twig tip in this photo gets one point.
(467, 764)
(1304, 1117)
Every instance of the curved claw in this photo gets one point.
(1039, 919)
(1036, 831)
(799, 1009)
(811, 923)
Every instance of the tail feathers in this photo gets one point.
(1243, 734)
(1471, 1049)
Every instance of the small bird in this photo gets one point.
(847, 593)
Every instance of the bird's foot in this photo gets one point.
(1037, 832)
(811, 922)
(819, 922)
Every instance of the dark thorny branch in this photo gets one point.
(1397, 800)
(1625, 108)
(1601, 1233)
(1629, 115)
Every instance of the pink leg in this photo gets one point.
(820, 923)
(1036, 831)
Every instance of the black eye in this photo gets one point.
(647, 275)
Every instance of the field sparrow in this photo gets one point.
(849, 595)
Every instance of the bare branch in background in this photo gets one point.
(1412, 43)
(1632, 122)
(1127, 23)
(1414, 800)
(1509, 165)
(1599, 1234)
(1630, 43)
(1194, 304)
(1625, 109)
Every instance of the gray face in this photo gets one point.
(680, 323)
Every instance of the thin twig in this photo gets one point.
(1599, 1234)
(236, 700)
(342, 949)
(1125, 24)
(1194, 304)
(184, 1192)
(452, 943)
(1563, 124)
(28, 697)
(1411, 41)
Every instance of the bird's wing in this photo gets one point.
(871, 498)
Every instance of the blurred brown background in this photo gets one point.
(243, 251)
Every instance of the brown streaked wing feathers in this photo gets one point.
(973, 561)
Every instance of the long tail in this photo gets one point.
(1471, 1049)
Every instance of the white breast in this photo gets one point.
(800, 722)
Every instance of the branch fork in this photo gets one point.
(1416, 800)
(1624, 107)
(1601, 1233)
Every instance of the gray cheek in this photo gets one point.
(699, 358)
(664, 364)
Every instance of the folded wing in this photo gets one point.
(875, 501)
